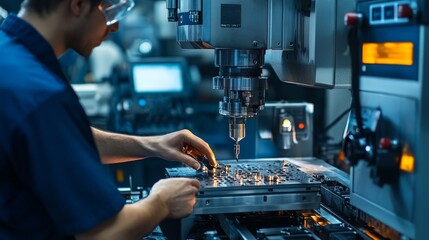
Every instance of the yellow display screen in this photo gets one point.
(392, 53)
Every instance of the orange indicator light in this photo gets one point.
(301, 125)
(407, 162)
(392, 53)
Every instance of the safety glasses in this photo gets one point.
(115, 10)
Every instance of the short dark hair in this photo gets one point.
(46, 6)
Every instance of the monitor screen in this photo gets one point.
(158, 78)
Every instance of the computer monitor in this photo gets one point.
(159, 76)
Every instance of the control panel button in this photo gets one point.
(392, 12)
(353, 19)
(405, 11)
(376, 14)
(389, 12)
(385, 143)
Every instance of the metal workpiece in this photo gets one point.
(262, 185)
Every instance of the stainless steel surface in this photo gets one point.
(210, 34)
(313, 48)
(251, 33)
(249, 58)
(252, 185)
(190, 35)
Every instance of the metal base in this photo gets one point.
(250, 185)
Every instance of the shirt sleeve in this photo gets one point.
(58, 161)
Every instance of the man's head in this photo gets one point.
(45, 6)
(77, 24)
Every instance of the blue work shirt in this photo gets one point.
(52, 184)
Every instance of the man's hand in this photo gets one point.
(178, 195)
(185, 147)
(173, 198)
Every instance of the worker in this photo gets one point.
(52, 183)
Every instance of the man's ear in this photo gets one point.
(77, 7)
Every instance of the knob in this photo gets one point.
(353, 19)
(359, 146)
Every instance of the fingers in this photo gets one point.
(189, 160)
(179, 195)
(195, 183)
(201, 146)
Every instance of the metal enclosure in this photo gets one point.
(237, 24)
(401, 94)
(311, 47)
(307, 38)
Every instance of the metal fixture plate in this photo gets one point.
(249, 185)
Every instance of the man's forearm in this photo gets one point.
(116, 148)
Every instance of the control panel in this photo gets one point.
(391, 12)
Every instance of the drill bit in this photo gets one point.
(236, 150)
(237, 132)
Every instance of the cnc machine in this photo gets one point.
(304, 45)
(382, 51)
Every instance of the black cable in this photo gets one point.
(322, 143)
(353, 40)
(335, 121)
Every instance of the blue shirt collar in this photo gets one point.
(26, 35)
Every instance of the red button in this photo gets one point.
(353, 19)
(405, 11)
(385, 143)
